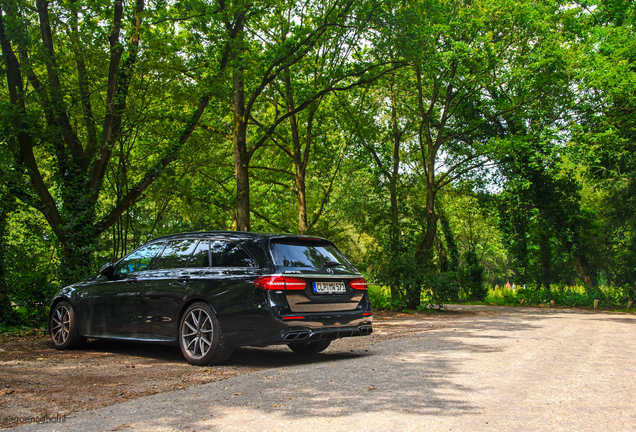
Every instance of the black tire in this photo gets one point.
(63, 327)
(200, 336)
(306, 348)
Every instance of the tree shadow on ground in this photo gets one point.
(416, 374)
(411, 375)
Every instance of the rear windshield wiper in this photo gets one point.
(331, 264)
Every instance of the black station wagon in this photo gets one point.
(212, 291)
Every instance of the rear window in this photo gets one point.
(305, 255)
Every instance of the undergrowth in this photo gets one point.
(565, 295)
(611, 296)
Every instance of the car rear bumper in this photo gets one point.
(313, 327)
(312, 335)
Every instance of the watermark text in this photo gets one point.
(33, 419)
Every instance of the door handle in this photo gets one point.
(131, 280)
(183, 279)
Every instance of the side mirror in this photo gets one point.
(107, 270)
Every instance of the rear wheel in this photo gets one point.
(309, 347)
(63, 327)
(200, 336)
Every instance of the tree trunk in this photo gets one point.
(428, 149)
(580, 268)
(80, 235)
(393, 186)
(300, 159)
(302, 203)
(241, 156)
(430, 229)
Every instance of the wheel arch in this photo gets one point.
(189, 303)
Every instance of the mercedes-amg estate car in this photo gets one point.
(212, 291)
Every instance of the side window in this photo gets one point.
(226, 254)
(138, 260)
(201, 255)
(176, 254)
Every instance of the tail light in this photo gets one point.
(359, 284)
(279, 283)
(294, 283)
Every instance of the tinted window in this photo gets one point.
(176, 254)
(226, 254)
(201, 255)
(313, 256)
(138, 260)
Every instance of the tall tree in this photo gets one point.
(272, 39)
(81, 83)
(474, 63)
(604, 137)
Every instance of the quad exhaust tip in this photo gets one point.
(296, 336)
(367, 330)
(306, 335)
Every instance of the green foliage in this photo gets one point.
(380, 297)
(563, 295)
(472, 277)
(444, 146)
(32, 265)
(440, 288)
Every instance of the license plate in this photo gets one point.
(329, 288)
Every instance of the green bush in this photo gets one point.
(566, 295)
(380, 297)
(437, 289)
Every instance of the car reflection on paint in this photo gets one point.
(210, 292)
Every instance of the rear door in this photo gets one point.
(233, 294)
(168, 286)
(318, 277)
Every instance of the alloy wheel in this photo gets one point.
(196, 333)
(61, 324)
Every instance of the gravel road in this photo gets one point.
(518, 369)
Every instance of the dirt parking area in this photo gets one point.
(36, 380)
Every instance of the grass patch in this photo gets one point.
(610, 297)
(563, 295)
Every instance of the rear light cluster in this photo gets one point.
(359, 284)
(279, 283)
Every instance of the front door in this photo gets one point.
(111, 305)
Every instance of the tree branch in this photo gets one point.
(19, 122)
(310, 100)
(269, 221)
(154, 172)
(55, 88)
(99, 166)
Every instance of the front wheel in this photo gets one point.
(309, 347)
(200, 336)
(63, 327)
